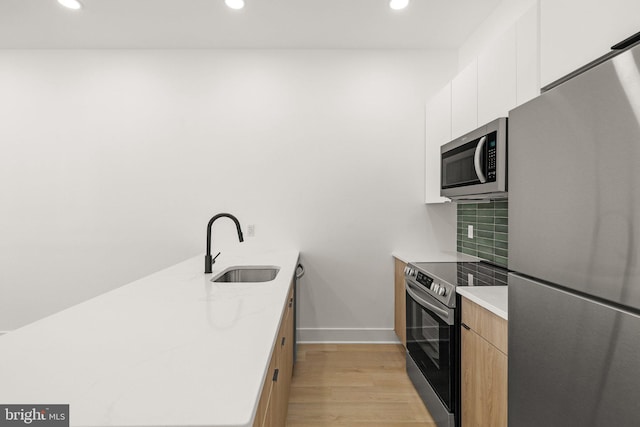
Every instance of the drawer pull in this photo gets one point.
(465, 326)
(283, 340)
(275, 374)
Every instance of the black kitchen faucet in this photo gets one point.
(208, 260)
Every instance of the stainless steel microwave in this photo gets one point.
(474, 166)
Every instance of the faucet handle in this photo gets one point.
(214, 258)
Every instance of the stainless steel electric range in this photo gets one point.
(433, 330)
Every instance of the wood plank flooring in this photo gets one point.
(354, 385)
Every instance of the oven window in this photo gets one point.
(431, 344)
(428, 336)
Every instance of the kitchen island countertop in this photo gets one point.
(171, 349)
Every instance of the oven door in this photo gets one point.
(431, 341)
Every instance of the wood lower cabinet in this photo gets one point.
(262, 419)
(274, 399)
(400, 318)
(484, 367)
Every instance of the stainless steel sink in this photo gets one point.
(247, 274)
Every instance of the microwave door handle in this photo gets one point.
(476, 160)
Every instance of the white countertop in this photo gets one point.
(432, 256)
(171, 349)
(493, 298)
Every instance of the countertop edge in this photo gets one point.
(273, 346)
(496, 304)
(435, 256)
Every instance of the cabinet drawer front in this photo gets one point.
(489, 326)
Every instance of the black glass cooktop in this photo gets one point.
(465, 273)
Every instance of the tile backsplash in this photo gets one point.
(490, 230)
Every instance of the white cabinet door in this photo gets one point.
(438, 132)
(464, 101)
(575, 32)
(528, 56)
(497, 78)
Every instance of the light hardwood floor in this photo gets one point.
(353, 385)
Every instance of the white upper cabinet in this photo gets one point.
(497, 78)
(575, 32)
(504, 75)
(464, 101)
(528, 57)
(438, 132)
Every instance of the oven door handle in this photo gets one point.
(443, 314)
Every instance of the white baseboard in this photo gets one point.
(347, 335)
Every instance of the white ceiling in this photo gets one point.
(261, 24)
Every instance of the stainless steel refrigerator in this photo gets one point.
(574, 246)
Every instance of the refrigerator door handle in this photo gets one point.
(476, 160)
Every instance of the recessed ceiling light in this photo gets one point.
(234, 4)
(398, 4)
(71, 4)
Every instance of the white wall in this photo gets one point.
(113, 161)
(500, 20)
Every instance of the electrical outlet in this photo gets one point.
(470, 231)
(251, 230)
(470, 279)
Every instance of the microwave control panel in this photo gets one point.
(491, 156)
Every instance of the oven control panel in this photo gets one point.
(421, 278)
(424, 280)
(430, 284)
(442, 291)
